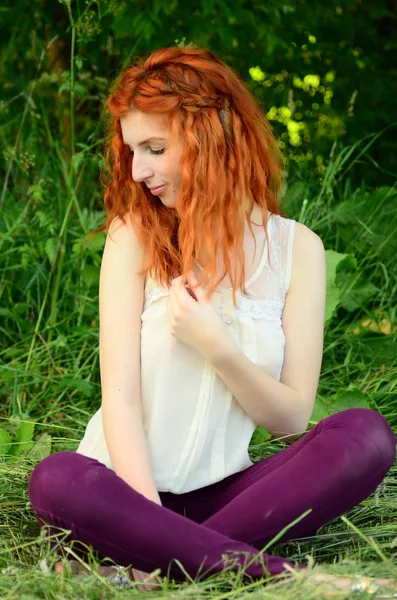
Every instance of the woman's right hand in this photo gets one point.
(149, 584)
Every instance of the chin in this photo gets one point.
(168, 202)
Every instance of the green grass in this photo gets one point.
(364, 544)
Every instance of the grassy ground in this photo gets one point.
(49, 364)
(362, 544)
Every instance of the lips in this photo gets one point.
(157, 190)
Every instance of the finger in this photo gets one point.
(190, 292)
(198, 291)
(178, 281)
(181, 290)
(177, 289)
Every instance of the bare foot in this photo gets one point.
(331, 584)
(151, 583)
(132, 574)
(76, 567)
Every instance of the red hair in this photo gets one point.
(230, 154)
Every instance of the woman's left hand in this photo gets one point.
(197, 322)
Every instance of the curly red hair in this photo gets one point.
(230, 154)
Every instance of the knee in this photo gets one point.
(376, 435)
(52, 480)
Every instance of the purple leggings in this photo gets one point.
(339, 463)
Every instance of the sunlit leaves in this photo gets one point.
(257, 74)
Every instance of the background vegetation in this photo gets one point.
(325, 73)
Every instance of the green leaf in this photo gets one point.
(321, 410)
(65, 85)
(91, 242)
(23, 438)
(358, 295)
(5, 442)
(378, 348)
(260, 436)
(77, 159)
(79, 61)
(346, 212)
(77, 247)
(79, 89)
(349, 263)
(353, 397)
(85, 387)
(42, 447)
(333, 259)
(24, 432)
(6, 312)
(90, 275)
(50, 248)
(95, 242)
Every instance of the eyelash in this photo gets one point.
(152, 151)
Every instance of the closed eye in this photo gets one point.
(152, 151)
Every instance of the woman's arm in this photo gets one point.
(284, 407)
(121, 292)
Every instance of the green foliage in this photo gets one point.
(322, 73)
(23, 444)
(333, 261)
(352, 397)
(319, 70)
(5, 442)
(51, 261)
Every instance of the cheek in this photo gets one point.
(175, 166)
(171, 167)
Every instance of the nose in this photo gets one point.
(140, 169)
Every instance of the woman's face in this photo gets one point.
(155, 157)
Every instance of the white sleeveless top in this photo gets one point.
(197, 432)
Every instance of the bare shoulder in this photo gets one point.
(306, 240)
(123, 239)
(308, 253)
(124, 227)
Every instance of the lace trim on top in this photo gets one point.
(248, 307)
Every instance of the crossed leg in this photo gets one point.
(73, 492)
(332, 468)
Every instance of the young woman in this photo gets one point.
(211, 322)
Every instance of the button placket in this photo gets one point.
(228, 309)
